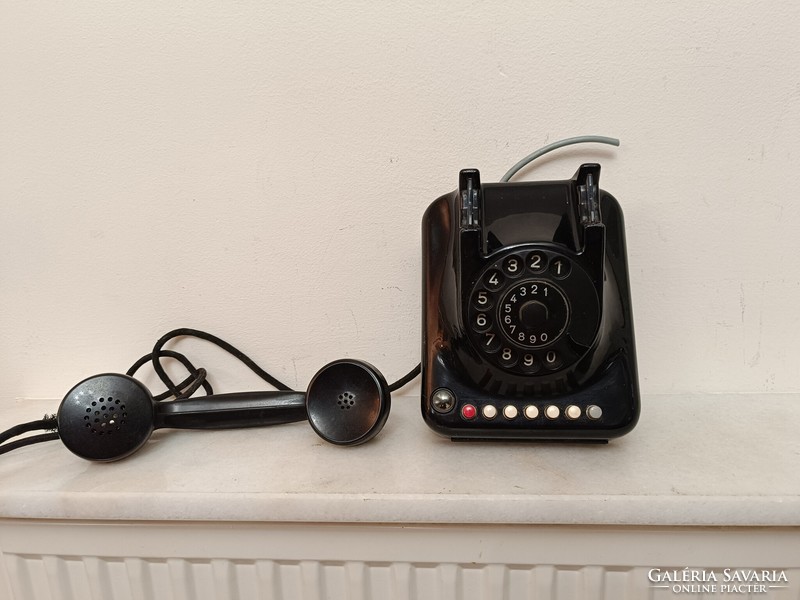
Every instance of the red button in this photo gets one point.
(468, 411)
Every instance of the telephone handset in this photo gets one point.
(527, 322)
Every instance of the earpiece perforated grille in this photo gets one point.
(105, 416)
(346, 400)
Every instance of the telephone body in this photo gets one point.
(527, 320)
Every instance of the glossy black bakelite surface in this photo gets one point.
(348, 402)
(527, 311)
(108, 417)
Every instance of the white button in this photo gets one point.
(551, 412)
(510, 412)
(594, 412)
(531, 412)
(572, 412)
(489, 411)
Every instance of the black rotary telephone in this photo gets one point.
(527, 334)
(527, 324)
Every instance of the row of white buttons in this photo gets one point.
(552, 412)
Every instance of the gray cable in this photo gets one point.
(581, 139)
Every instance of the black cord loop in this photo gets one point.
(231, 349)
(187, 387)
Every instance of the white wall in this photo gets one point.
(260, 170)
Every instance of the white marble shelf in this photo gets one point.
(726, 460)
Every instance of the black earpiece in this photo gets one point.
(348, 402)
(108, 417)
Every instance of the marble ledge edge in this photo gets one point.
(446, 509)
